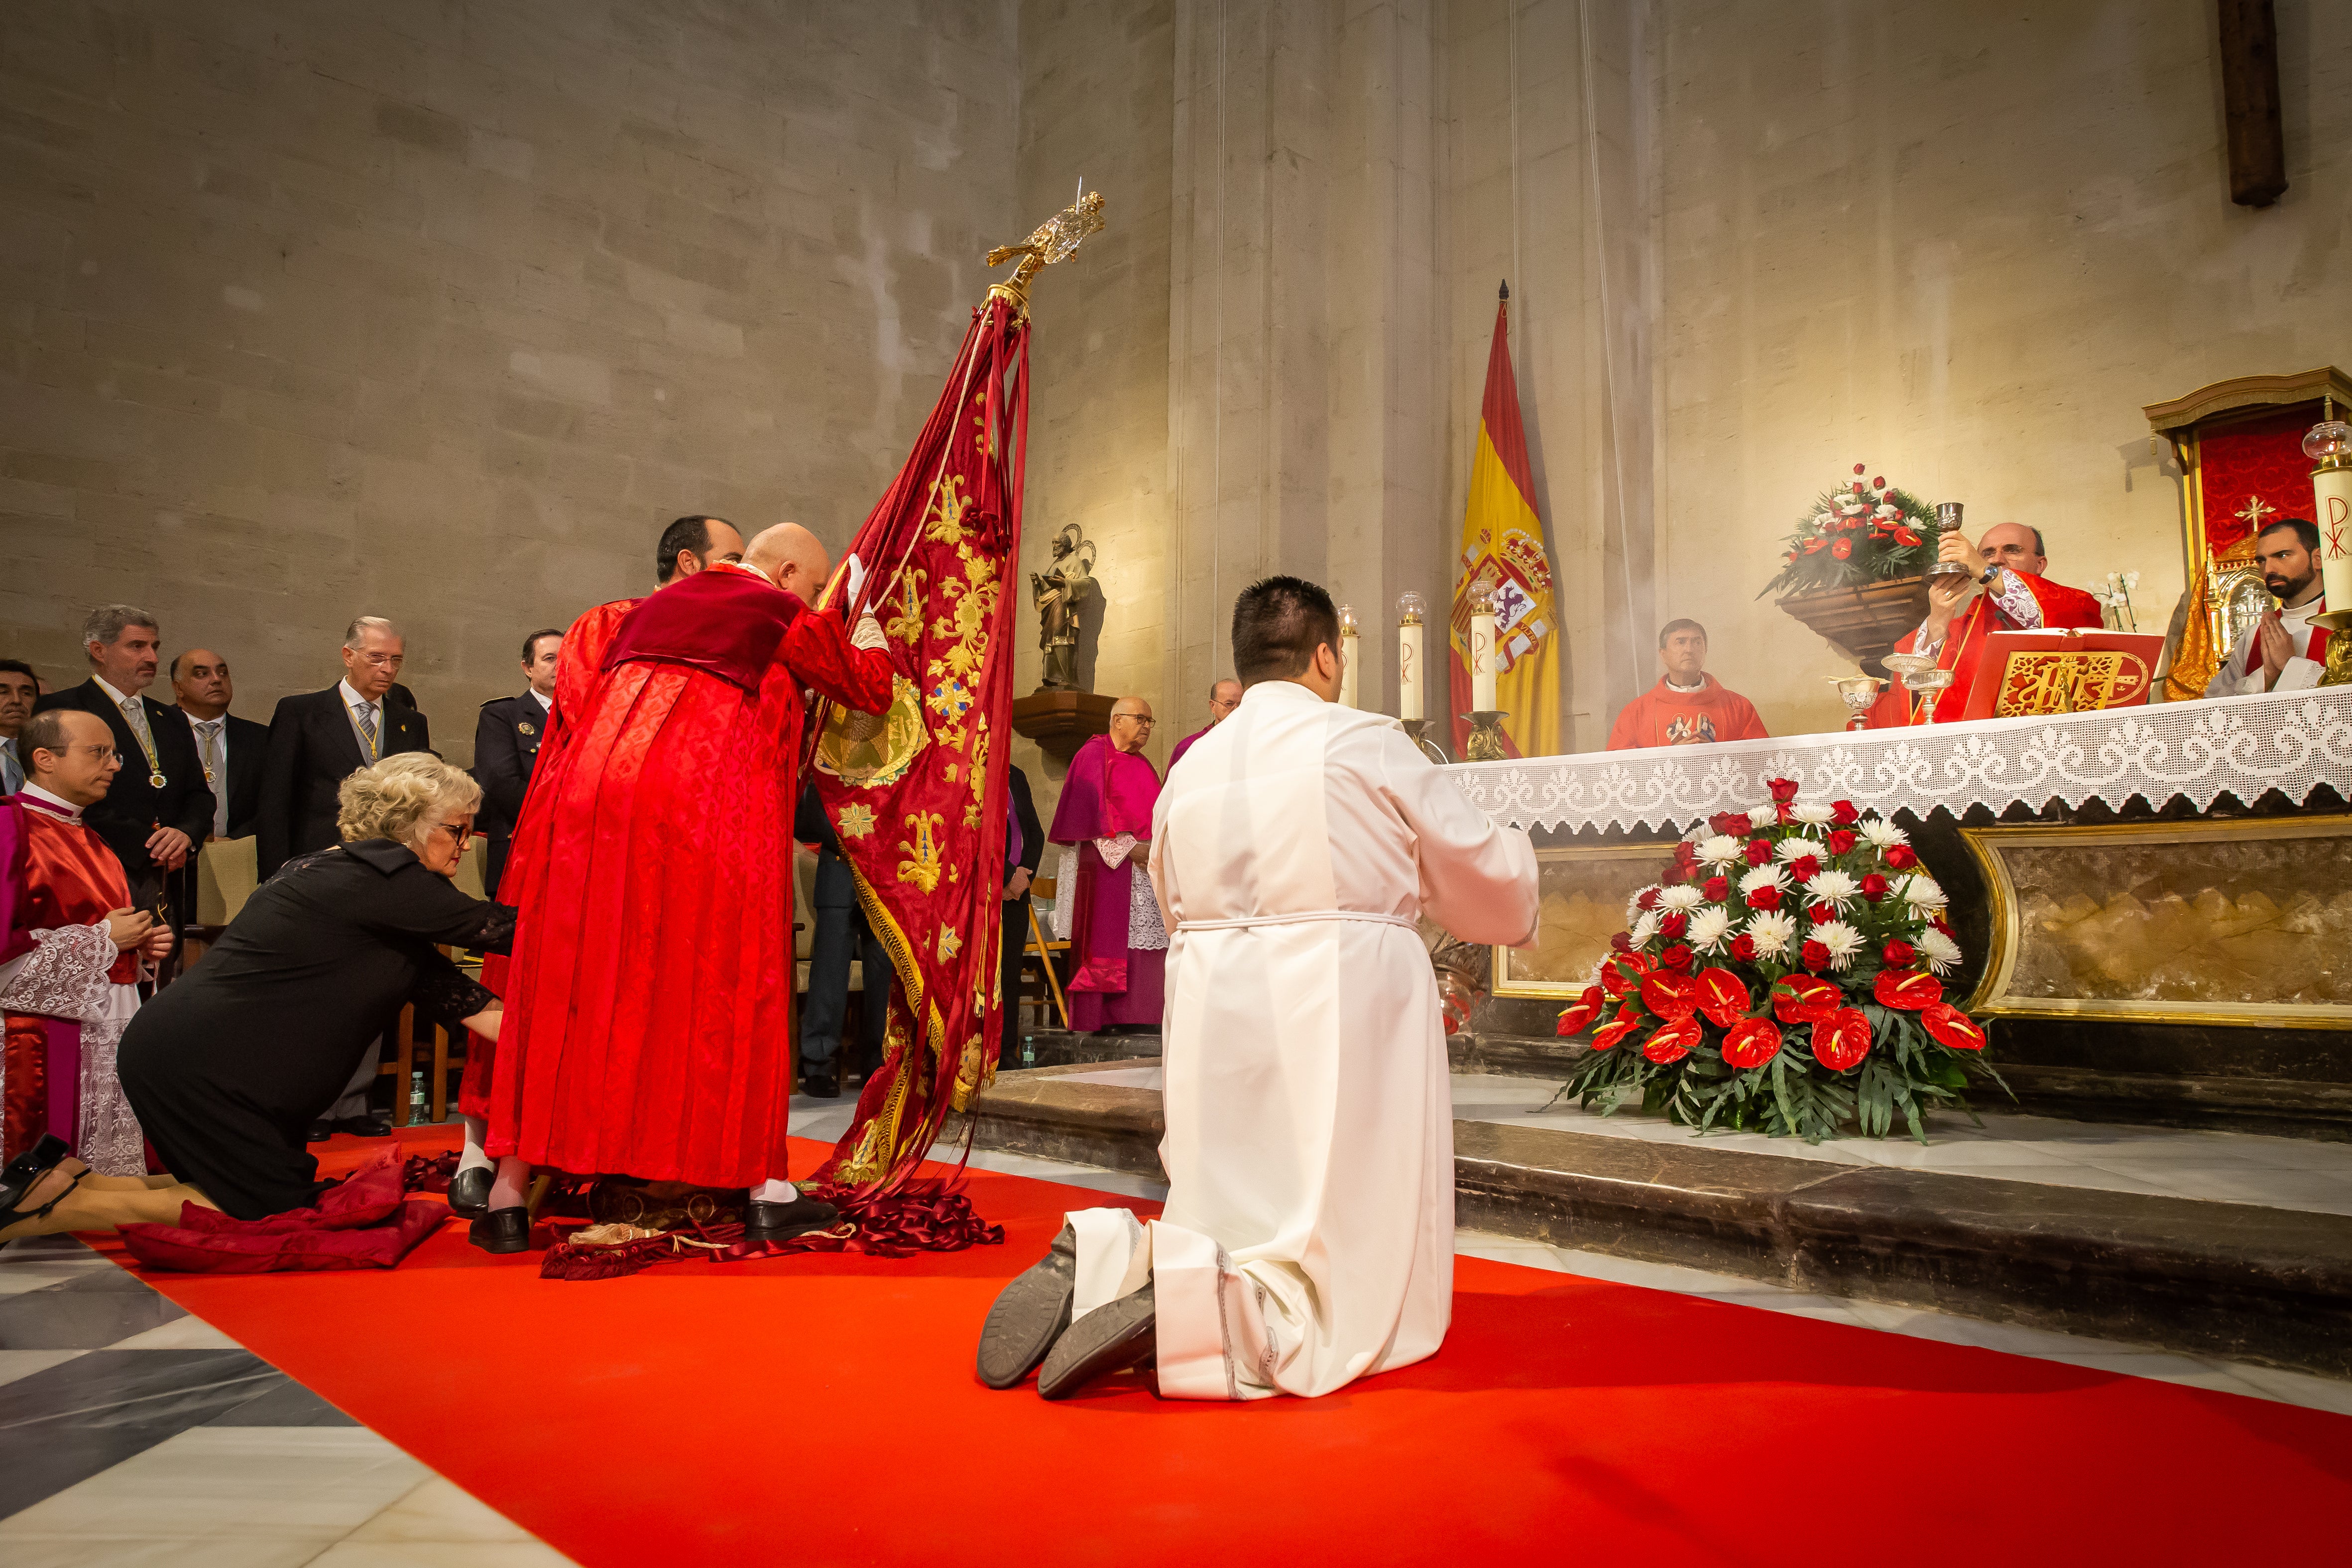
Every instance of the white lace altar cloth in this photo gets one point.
(2243, 746)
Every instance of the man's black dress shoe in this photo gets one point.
(320, 1131)
(820, 1081)
(368, 1126)
(1107, 1339)
(1029, 1315)
(501, 1230)
(781, 1222)
(469, 1193)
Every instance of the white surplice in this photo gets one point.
(1308, 1234)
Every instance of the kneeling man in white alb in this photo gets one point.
(1309, 1235)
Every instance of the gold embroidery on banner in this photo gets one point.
(969, 1068)
(945, 525)
(874, 750)
(979, 772)
(922, 865)
(856, 821)
(907, 626)
(949, 944)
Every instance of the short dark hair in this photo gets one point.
(18, 667)
(44, 731)
(687, 533)
(1278, 623)
(530, 643)
(2306, 533)
(1671, 628)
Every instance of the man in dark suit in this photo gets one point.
(231, 749)
(158, 806)
(1024, 841)
(841, 936)
(506, 745)
(319, 738)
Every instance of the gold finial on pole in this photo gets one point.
(1051, 241)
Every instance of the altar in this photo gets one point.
(2155, 903)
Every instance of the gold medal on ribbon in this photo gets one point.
(156, 779)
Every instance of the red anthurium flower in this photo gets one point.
(1840, 840)
(1752, 1042)
(1578, 1014)
(1805, 867)
(1903, 856)
(1875, 887)
(1717, 889)
(1671, 997)
(1952, 1027)
(1841, 1040)
(1676, 958)
(1722, 997)
(1783, 790)
(1816, 957)
(1821, 914)
(1805, 999)
(1842, 548)
(1906, 990)
(1648, 900)
(1672, 1043)
(1764, 898)
(1743, 948)
(1898, 953)
(1759, 851)
(1904, 536)
(1603, 1039)
(1843, 814)
(1674, 922)
(1813, 545)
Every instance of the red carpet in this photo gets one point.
(822, 1410)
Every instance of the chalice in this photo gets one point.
(1920, 677)
(1859, 692)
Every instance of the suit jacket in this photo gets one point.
(133, 809)
(506, 746)
(1025, 812)
(313, 750)
(837, 885)
(249, 747)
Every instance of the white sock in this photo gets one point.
(473, 1158)
(774, 1191)
(510, 1188)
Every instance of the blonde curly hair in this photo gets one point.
(402, 798)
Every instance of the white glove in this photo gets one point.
(856, 583)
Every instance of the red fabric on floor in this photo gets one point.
(721, 1413)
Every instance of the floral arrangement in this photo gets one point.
(1783, 977)
(1860, 533)
(2116, 593)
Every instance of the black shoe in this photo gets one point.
(781, 1222)
(502, 1230)
(820, 1080)
(1107, 1339)
(320, 1131)
(368, 1126)
(1029, 1315)
(469, 1193)
(24, 1174)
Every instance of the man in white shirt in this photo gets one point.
(1307, 1238)
(2286, 653)
(229, 748)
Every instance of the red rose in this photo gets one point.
(1783, 790)
(1759, 851)
(1805, 867)
(1648, 900)
(1815, 956)
(1764, 898)
(1898, 953)
(1875, 887)
(1843, 814)
(1674, 922)
(1821, 914)
(1676, 958)
(1675, 876)
(1743, 948)
(1685, 852)
(1858, 468)
(1903, 856)
(1574, 1018)
(1942, 924)
(1878, 483)
(1730, 823)
(1752, 1042)
(1842, 548)
(1621, 942)
(1717, 889)
(1840, 840)
(1841, 1040)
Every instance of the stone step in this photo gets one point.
(2237, 1280)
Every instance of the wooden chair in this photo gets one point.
(439, 1053)
(1037, 963)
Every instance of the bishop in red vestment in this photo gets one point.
(647, 1001)
(2016, 597)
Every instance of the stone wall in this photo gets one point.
(442, 311)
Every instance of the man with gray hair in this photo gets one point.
(317, 740)
(159, 805)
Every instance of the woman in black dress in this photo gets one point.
(227, 1067)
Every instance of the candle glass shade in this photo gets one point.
(1948, 520)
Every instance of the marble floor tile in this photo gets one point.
(72, 1421)
(249, 1483)
(14, 1364)
(101, 1552)
(441, 1555)
(439, 1511)
(286, 1404)
(83, 1313)
(186, 1333)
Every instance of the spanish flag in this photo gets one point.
(1503, 547)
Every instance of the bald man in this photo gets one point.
(230, 748)
(648, 1001)
(2006, 591)
(1119, 947)
(1224, 696)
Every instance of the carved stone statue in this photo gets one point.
(1058, 592)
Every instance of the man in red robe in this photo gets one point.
(686, 547)
(1688, 707)
(70, 951)
(2015, 597)
(648, 1000)
(1118, 948)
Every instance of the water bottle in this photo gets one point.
(1028, 1050)
(415, 1097)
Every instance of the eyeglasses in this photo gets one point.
(460, 831)
(1138, 719)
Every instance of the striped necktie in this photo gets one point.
(208, 741)
(364, 714)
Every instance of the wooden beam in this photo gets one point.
(2250, 102)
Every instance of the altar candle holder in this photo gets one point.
(1417, 729)
(1860, 694)
(1486, 741)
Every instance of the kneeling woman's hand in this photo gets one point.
(485, 1022)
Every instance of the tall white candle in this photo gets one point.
(2332, 489)
(1408, 609)
(1482, 654)
(1347, 640)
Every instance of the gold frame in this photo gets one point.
(2000, 956)
(1504, 985)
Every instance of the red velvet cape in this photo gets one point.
(1964, 647)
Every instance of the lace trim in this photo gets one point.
(64, 977)
(110, 1139)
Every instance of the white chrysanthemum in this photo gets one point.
(1682, 896)
(1887, 509)
(1772, 931)
(1843, 940)
(1796, 846)
(1881, 831)
(1633, 904)
(1922, 891)
(1763, 877)
(1940, 951)
(1710, 928)
(1645, 929)
(1763, 815)
(1823, 520)
(1833, 888)
(1811, 812)
(1721, 850)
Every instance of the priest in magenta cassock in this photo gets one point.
(1118, 948)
